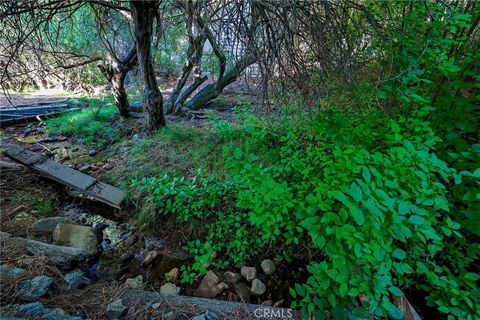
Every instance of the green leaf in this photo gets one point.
(355, 192)
(416, 220)
(399, 254)
(396, 313)
(343, 289)
(472, 276)
(441, 203)
(396, 291)
(366, 174)
(403, 208)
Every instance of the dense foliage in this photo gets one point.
(385, 193)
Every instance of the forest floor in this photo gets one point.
(129, 250)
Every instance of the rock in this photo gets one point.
(75, 280)
(150, 258)
(249, 273)
(408, 311)
(7, 272)
(35, 287)
(170, 289)
(115, 309)
(62, 257)
(174, 274)
(84, 168)
(81, 237)
(135, 283)
(267, 303)
(210, 286)
(33, 309)
(208, 315)
(278, 303)
(232, 277)
(47, 225)
(258, 288)
(36, 310)
(268, 266)
(243, 292)
(156, 305)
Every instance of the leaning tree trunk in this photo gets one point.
(143, 14)
(115, 72)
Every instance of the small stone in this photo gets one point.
(208, 315)
(249, 273)
(170, 288)
(81, 237)
(135, 283)
(155, 306)
(7, 272)
(232, 277)
(47, 225)
(243, 292)
(210, 286)
(75, 280)
(279, 303)
(32, 309)
(150, 258)
(84, 168)
(35, 287)
(258, 288)
(115, 309)
(174, 274)
(267, 303)
(268, 266)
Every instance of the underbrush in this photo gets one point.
(94, 124)
(367, 193)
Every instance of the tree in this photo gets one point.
(144, 13)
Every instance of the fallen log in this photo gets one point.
(65, 175)
(62, 257)
(194, 305)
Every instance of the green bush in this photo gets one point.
(367, 192)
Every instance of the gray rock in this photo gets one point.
(35, 287)
(210, 286)
(135, 283)
(258, 288)
(7, 272)
(170, 288)
(174, 274)
(243, 292)
(208, 315)
(75, 279)
(156, 305)
(47, 225)
(249, 273)
(268, 267)
(34, 309)
(232, 277)
(115, 309)
(81, 237)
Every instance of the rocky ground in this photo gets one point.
(65, 256)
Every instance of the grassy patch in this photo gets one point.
(93, 125)
(41, 205)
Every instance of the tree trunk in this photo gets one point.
(143, 14)
(115, 72)
(213, 90)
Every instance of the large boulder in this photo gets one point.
(47, 225)
(81, 237)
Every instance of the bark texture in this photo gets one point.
(143, 14)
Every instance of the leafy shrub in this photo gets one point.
(365, 191)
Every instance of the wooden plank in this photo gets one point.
(67, 176)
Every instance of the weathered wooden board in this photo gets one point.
(67, 176)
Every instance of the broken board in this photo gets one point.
(67, 176)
